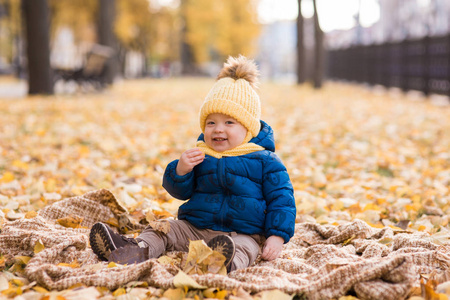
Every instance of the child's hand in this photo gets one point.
(272, 247)
(188, 160)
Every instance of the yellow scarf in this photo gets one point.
(239, 150)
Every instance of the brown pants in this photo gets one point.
(181, 232)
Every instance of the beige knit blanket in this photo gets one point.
(320, 262)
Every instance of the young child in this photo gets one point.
(240, 195)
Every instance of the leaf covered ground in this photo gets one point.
(351, 152)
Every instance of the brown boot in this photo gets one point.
(129, 254)
(104, 240)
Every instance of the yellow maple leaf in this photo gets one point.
(198, 252)
(215, 262)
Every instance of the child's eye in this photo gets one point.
(229, 122)
(210, 123)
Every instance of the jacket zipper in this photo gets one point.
(222, 182)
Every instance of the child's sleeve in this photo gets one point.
(279, 195)
(180, 187)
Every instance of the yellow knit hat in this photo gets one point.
(233, 94)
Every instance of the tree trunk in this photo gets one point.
(37, 24)
(300, 46)
(186, 55)
(319, 57)
(106, 37)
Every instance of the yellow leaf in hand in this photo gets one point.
(71, 221)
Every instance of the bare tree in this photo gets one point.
(319, 55)
(187, 57)
(301, 72)
(36, 14)
(106, 37)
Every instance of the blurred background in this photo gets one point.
(57, 46)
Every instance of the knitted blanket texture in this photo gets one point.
(320, 261)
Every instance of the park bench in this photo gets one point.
(92, 72)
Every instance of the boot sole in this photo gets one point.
(101, 241)
(224, 245)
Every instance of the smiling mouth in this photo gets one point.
(219, 139)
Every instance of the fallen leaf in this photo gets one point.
(198, 252)
(274, 294)
(4, 285)
(182, 280)
(74, 264)
(71, 221)
(40, 289)
(30, 214)
(119, 292)
(38, 247)
(175, 294)
(215, 293)
(160, 225)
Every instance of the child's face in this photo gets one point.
(223, 132)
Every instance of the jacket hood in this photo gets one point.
(264, 138)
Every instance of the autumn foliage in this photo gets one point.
(351, 154)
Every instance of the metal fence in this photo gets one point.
(422, 65)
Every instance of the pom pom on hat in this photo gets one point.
(240, 68)
(234, 95)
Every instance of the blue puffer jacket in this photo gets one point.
(250, 194)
